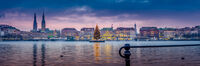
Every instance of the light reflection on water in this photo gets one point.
(60, 53)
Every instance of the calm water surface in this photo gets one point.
(62, 53)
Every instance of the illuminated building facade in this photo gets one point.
(149, 32)
(107, 34)
(125, 33)
(86, 33)
(70, 33)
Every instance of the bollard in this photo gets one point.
(126, 54)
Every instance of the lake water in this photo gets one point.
(83, 53)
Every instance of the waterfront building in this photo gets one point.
(48, 34)
(1, 33)
(195, 30)
(86, 33)
(167, 33)
(125, 33)
(9, 33)
(107, 33)
(198, 28)
(9, 29)
(26, 35)
(181, 33)
(193, 34)
(108, 36)
(149, 32)
(56, 33)
(186, 30)
(161, 33)
(104, 30)
(69, 33)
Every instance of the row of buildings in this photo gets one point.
(121, 33)
(109, 33)
(130, 33)
(154, 33)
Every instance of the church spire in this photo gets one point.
(43, 22)
(35, 23)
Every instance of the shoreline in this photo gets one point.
(105, 40)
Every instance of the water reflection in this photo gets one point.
(138, 52)
(43, 50)
(106, 55)
(5, 53)
(94, 54)
(97, 51)
(35, 54)
(107, 52)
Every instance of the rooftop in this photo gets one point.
(125, 28)
(149, 28)
(87, 29)
(7, 26)
(107, 29)
(69, 29)
(168, 29)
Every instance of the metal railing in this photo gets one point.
(126, 55)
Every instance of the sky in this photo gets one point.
(87, 13)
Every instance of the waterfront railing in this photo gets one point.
(126, 55)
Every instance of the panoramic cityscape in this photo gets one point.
(8, 32)
(99, 32)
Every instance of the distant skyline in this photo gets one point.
(87, 13)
